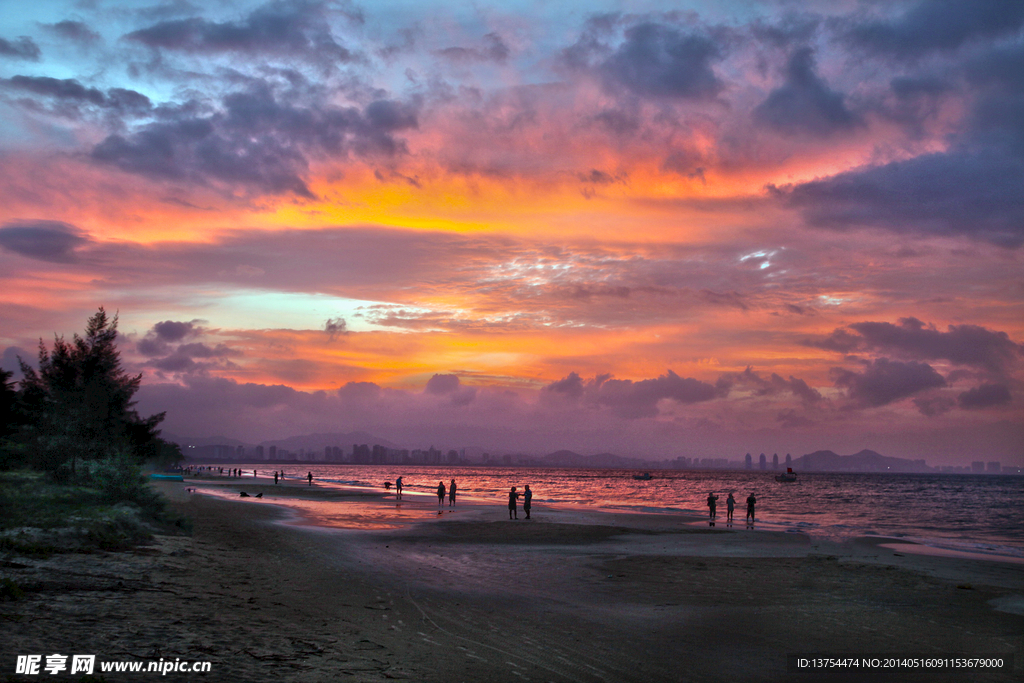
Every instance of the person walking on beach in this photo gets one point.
(751, 502)
(440, 493)
(512, 498)
(527, 500)
(712, 502)
(451, 494)
(309, 478)
(730, 503)
(398, 487)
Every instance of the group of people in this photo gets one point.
(730, 504)
(513, 499)
(451, 491)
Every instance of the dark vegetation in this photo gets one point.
(72, 449)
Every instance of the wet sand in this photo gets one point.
(265, 594)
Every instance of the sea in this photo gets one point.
(981, 513)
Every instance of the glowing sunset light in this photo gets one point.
(766, 226)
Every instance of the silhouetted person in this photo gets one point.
(309, 478)
(527, 500)
(512, 498)
(398, 487)
(254, 474)
(712, 502)
(730, 503)
(451, 493)
(440, 493)
(275, 477)
(751, 502)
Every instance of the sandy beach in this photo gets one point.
(266, 591)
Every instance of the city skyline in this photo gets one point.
(659, 229)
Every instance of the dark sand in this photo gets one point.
(470, 596)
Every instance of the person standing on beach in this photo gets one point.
(275, 477)
(512, 498)
(751, 502)
(712, 502)
(730, 503)
(527, 500)
(451, 494)
(440, 493)
(398, 487)
(309, 478)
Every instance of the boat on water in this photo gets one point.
(646, 476)
(788, 476)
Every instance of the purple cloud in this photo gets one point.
(884, 381)
(985, 396)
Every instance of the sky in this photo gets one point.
(658, 229)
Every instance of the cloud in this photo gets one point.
(22, 48)
(657, 60)
(122, 100)
(985, 396)
(632, 400)
(51, 241)
(183, 358)
(157, 341)
(76, 31)
(359, 392)
(804, 104)
(259, 141)
(772, 385)
(449, 385)
(884, 381)
(494, 50)
(295, 29)
(442, 384)
(933, 406)
(570, 386)
(173, 331)
(935, 194)
(934, 25)
(335, 327)
(911, 338)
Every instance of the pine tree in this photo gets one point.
(80, 403)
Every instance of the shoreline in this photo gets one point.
(938, 546)
(568, 596)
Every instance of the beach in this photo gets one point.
(378, 591)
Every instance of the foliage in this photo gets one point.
(78, 407)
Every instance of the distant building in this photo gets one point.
(994, 467)
(775, 461)
(240, 452)
(762, 462)
(977, 466)
(748, 462)
(259, 452)
(272, 453)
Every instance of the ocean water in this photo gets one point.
(974, 513)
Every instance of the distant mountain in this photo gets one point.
(200, 441)
(864, 461)
(565, 458)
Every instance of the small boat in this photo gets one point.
(788, 476)
(646, 476)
